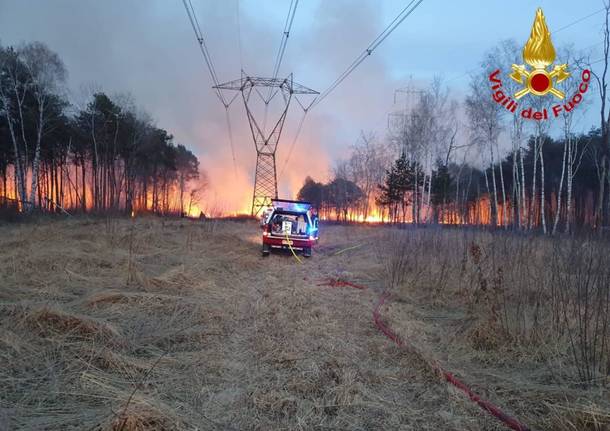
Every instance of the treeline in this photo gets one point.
(463, 194)
(565, 197)
(336, 199)
(103, 156)
(471, 161)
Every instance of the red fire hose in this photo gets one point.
(484, 404)
(338, 282)
(488, 406)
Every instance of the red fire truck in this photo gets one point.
(289, 224)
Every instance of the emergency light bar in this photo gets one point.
(288, 205)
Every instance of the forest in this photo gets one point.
(459, 193)
(104, 156)
(441, 161)
(451, 161)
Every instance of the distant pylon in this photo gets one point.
(265, 180)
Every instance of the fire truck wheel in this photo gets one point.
(307, 252)
(266, 250)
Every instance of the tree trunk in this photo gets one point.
(428, 218)
(491, 215)
(523, 191)
(414, 199)
(504, 214)
(84, 200)
(4, 191)
(495, 188)
(19, 175)
(600, 199)
(569, 197)
(533, 196)
(566, 144)
(36, 164)
(516, 196)
(181, 194)
(542, 198)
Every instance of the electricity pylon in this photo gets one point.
(265, 180)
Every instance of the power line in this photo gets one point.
(241, 62)
(296, 136)
(578, 20)
(202, 46)
(230, 130)
(280, 54)
(369, 50)
(190, 11)
(287, 26)
(294, 141)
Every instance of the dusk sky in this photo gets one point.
(148, 49)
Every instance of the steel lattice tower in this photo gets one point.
(265, 180)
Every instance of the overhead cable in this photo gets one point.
(408, 10)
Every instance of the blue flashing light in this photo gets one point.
(312, 231)
(292, 206)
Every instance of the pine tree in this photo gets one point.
(442, 189)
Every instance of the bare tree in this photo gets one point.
(485, 127)
(13, 89)
(367, 164)
(571, 156)
(540, 128)
(47, 75)
(427, 133)
(506, 53)
(602, 84)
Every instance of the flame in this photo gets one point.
(539, 51)
(194, 211)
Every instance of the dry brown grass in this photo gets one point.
(143, 418)
(48, 323)
(178, 325)
(507, 314)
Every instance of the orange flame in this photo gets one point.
(539, 51)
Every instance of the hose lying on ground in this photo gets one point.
(337, 282)
(292, 250)
(387, 330)
(449, 377)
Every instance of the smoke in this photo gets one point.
(148, 49)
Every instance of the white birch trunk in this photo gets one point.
(569, 185)
(504, 214)
(542, 200)
(495, 188)
(428, 210)
(560, 190)
(489, 195)
(36, 163)
(523, 197)
(532, 209)
(516, 189)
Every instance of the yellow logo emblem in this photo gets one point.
(539, 53)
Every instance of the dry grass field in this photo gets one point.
(157, 324)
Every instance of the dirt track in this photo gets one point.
(197, 331)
